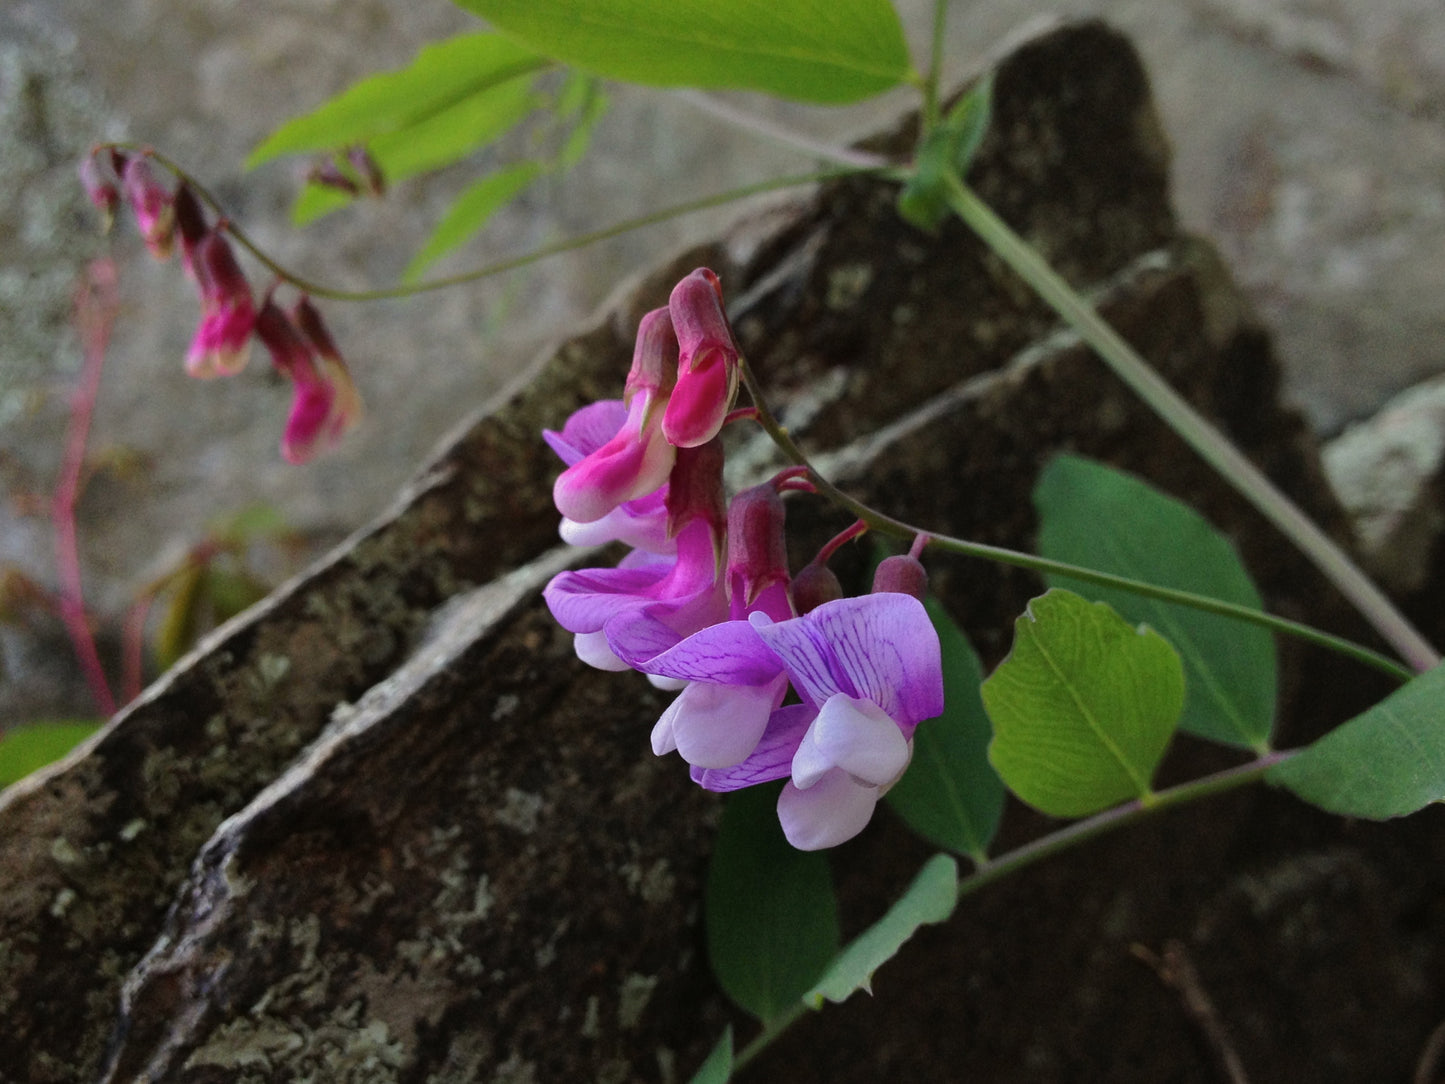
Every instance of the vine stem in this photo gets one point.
(1204, 438)
(317, 289)
(1045, 566)
(96, 304)
(1046, 846)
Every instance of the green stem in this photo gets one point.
(317, 289)
(1045, 566)
(1047, 846)
(1203, 437)
(935, 68)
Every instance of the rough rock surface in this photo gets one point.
(384, 827)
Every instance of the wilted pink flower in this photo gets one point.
(153, 204)
(318, 413)
(222, 343)
(707, 370)
(101, 184)
(346, 407)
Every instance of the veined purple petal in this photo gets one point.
(885, 647)
(807, 655)
(583, 599)
(726, 653)
(833, 810)
(772, 759)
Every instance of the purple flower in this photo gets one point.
(868, 670)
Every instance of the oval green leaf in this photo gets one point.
(1093, 515)
(828, 51)
(930, 898)
(950, 795)
(1386, 762)
(772, 917)
(1083, 707)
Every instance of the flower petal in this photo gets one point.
(591, 648)
(856, 736)
(717, 726)
(885, 648)
(772, 759)
(587, 430)
(833, 810)
(727, 653)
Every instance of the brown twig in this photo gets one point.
(1176, 971)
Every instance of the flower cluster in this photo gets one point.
(325, 403)
(704, 602)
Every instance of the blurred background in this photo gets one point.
(1309, 143)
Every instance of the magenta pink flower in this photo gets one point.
(707, 370)
(153, 204)
(321, 409)
(222, 343)
(101, 184)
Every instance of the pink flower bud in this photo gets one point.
(369, 170)
(902, 575)
(654, 360)
(222, 343)
(758, 552)
(814, 585)
(191, 225)
(101, 185)
(154, 206)
(309, 424)
(346, 407)
(707, 371)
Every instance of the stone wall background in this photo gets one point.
(1310, 146)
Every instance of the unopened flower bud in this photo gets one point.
(814, 585)
(654, 360)
(307, 424)
(369, 169)
(329, 175)
(222, 342)
(757, 550)
(695, 490)
(346, 407)
(154, 205)
(707, 371)
(191, 225)
(101, 185)
(901, 575)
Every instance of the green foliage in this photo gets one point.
(23, 749)
(828, 51)
(443, 76)
(772, 918)
(1083, 707)
(1387, 762)
(719, 1065)
(929, 899)
(470, 212)
(950, 795)
(1093, 515)
(947, 152)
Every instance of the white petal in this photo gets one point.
(718, 726)
(593, 649)
(831, 811)
(664, 740)
(859, 737)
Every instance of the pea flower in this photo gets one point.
(322, 408)
(154, 205)
(222, 343)
(707, 367)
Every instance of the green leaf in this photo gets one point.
(470, 213)
(584, 124)
(1387, 762)
(719, 1065)
(450, 134)
(1083, 707)
(950, 795)
(772, 918)
(947, 152)
(317, 201)
(829, 51)
(440, 76)
(23, 749)
(1095, 516)
(929, 899)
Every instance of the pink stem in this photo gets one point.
(95, 308)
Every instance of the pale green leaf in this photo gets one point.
(950, 795)
(1387, 762)
(470, 213)
(454, 132)
(772, 918)
(1083, 707)
(929, 899)
(316, 201)
(1101, 518)
(719, 1065)
(438, 78)
(830, 51)
(945, 156)
(23, 749)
